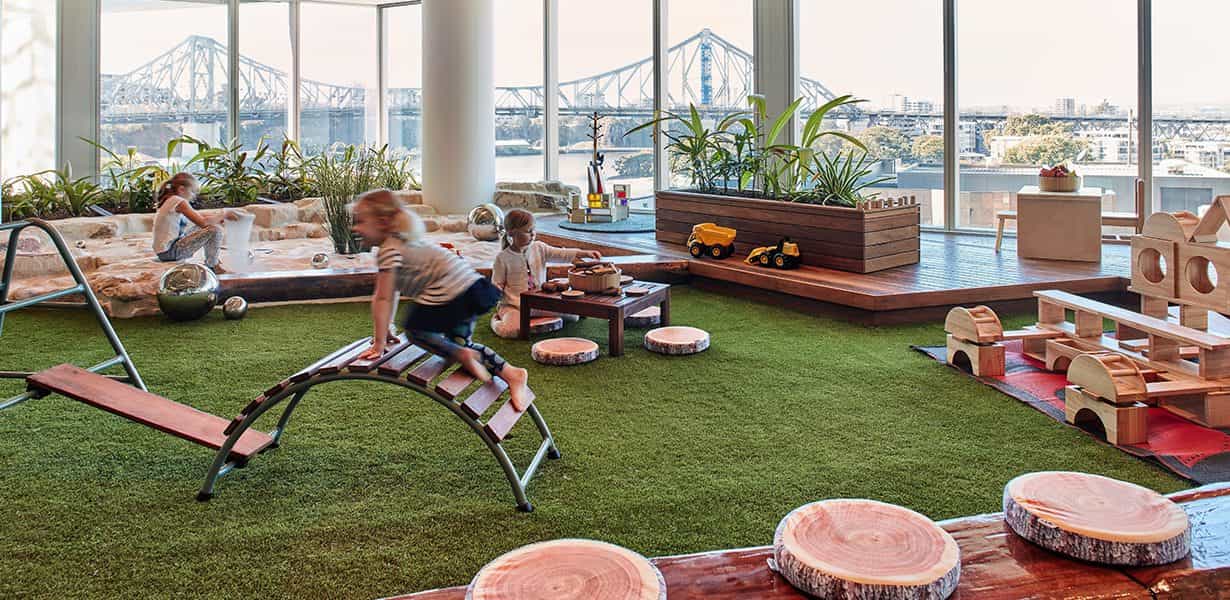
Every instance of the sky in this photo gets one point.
(1020, 54)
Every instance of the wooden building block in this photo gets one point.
(1194, 316)
(1153, 266)
(1176, 227)
(1124, 425)
(985, 360)
(1204, 278)
(1155, 307)
(1214, 364)
(1217, 215)
(1088, 324)
(1108, 376)
(1059, 355)
(978, 324)
(1049, 312)
(1210, 410)
(1163, 349)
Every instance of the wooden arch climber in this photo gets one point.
(404, 365)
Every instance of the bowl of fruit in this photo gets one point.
(1058, 178)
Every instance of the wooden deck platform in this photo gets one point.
(995, 564)
(954, 269)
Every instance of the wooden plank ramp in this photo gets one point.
(151, 410)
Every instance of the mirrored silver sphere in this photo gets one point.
(320, 260)
(486, 223)
(235, 308)
(188, 292)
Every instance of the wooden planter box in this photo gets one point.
(879, 236)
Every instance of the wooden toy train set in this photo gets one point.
(1158, 356)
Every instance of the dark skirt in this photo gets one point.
(475, 302)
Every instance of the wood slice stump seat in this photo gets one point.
(650, 317)
(564, 352)
(854, 549)
(540, 325)
(569, 569)
(1097, 519)
(677, 340)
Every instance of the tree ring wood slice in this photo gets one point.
(677, 340)
(650, 317)
(546, 324)
(1097, 519)
(625, 279)
(861, 549)
(572, 293)
(636, 290)
(564, 352)
(569, 570)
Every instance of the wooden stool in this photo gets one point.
(677, 340)
(564, 351)
(865, 549)
(1096, 518)
(569, 570)
(546, 324)
(650, 317)
(1000, 217)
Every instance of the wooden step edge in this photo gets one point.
(450, 387)
(502, 422)
(428, 370)
(484, 397)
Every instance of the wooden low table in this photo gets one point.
(612, 308)
(996, 564)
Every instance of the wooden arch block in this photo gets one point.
(985, 360)
(979, 324)
(1109, 376)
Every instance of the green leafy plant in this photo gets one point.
(393, 172)
(837, 180)
(75, 196)
(230, 173)
(286, 172)
(341, 175)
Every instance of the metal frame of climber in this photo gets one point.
(1157, 357)
(234, 441)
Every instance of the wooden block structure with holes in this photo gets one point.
(973, 337)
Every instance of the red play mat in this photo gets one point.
(1193, 451)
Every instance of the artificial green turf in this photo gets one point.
(376, 492)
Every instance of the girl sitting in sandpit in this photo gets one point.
(174, 240)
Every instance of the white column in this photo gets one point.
(776, 56)
(77, 85)
(458, 104)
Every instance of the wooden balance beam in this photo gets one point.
(996, 564)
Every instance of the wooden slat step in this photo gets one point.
(1161, 389)
(367, 364)
(428, 370)
(340, 361)
(503, 420)
(1030, 334)
(148, 409)
(450, 387)
(401, 361)
(484, 397)
(307, 372)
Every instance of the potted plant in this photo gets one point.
(742, 176)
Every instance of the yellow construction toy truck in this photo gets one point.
(785, 255)
(712, 240)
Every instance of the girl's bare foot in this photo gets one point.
(472, 362)
(518, 386)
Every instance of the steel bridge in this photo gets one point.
(189, 83)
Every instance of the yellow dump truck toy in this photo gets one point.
(785, 255)
(709, 239)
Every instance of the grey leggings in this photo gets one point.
(450, 343)
(209, 238)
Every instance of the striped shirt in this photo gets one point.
(426, 273)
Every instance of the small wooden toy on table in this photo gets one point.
(1157, 357)
(709, 239)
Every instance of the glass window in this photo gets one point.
(709, 65)
(339, 68)
(896, 66)
(264, 71)
(164, 74)
(518, 90)
(605, 66)
(1066, 96)
(404, 57)
(1191, 104)
(27, 86)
